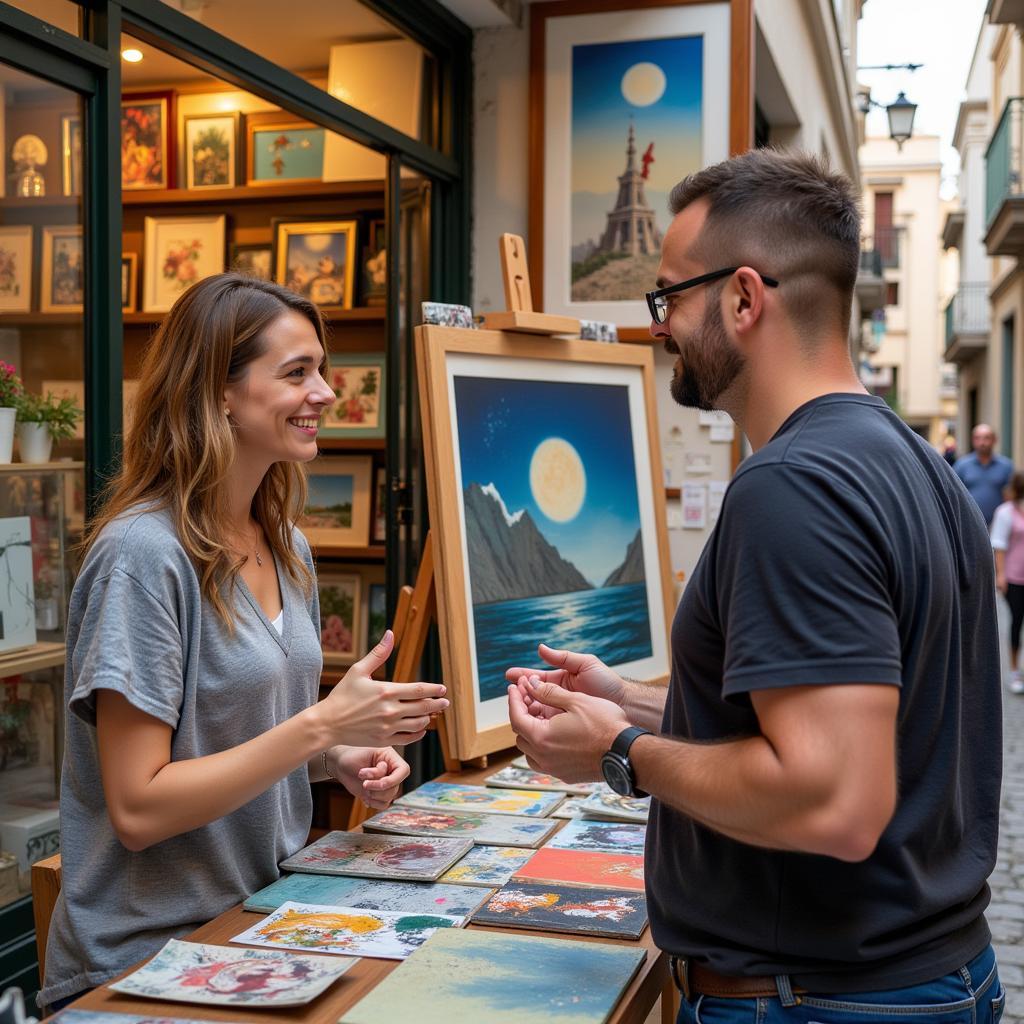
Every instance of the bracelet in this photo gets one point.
(327, 771)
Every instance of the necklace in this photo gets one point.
(256, 549)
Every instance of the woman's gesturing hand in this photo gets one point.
(372, 774)
(365, 712)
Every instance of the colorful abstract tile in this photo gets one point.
(347, 931)
(498, 978)
(367, 894)
(487, 865)
(450, 796)
(483, 829)
(195, 972)
(579, 867)
(601, 837)
(566, 908)
(423, 859)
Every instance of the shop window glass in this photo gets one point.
(62, 13)
(42, 500)
(342, 47)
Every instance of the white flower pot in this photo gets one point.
(34, 442)
(7, 418)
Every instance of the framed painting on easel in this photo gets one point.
(628, 98)
(558, 533)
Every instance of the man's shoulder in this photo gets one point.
(964, 461)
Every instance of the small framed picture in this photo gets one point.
(210, 149)
(71, 154)
(178, 252)
(282, 149)
(375, 608)
(62, 281)
(375, 265)
(254, 260)
(337, 508)
(16, 268)
(380, 498)
(341, 614)
(147, 142)
(357, 380)
(316, 258)
(129, 281)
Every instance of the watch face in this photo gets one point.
(617, 774)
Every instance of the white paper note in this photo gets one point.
(695, 505)
(721, 432)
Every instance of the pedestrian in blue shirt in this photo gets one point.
(984, 472)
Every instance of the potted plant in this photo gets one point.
(43, 420)
(11, 392)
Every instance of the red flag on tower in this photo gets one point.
(647, 159)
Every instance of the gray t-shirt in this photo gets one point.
(137, 624)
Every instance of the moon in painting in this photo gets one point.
(643, 84)
(557, 479)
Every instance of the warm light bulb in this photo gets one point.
(132, 55)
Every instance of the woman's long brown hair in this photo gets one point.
(180, 444)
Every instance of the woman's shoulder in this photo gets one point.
(300, 545)
(141, 540)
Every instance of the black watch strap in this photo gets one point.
(624, 740)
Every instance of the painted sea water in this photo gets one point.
(610, 622)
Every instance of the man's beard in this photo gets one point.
(710, 363)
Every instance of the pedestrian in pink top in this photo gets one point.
(1008, 545)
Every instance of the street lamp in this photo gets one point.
(900, 112)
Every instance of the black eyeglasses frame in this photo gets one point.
(714, 275)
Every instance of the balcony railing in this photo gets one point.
(886, 243)
(870, 260)
(1003, 177)
(967, 312)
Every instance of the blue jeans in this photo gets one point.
(971, 995)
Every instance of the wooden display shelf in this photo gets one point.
(370, 553)
(41, 319)
(361, 444)
(367, 313)
(252, 193)
(44, 654)
(36, 202)
(35, 467)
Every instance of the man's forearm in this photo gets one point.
(644, 703)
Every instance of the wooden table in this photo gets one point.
(650, 982)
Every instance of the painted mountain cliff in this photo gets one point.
(508, 557)
(632, 568)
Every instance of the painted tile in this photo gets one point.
(487, 865)
(566, 908)
(612, 807)
(601, 837)
(449, 796)
(497, 978)
(578, 867)
(483, 829)
(195, 972)
(108, 1017)
(347, 931)
(367, 894)
(515, 777)
(422, 859)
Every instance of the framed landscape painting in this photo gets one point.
(630, 100)
(16, 268)
(62, 275)
(178, 252)
(357, 380)
(544, 483)
(337, 508)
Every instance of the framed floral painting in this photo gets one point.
(62, 277)
(341, 615)
(147, 143)
(210, 150)
(178, 252)
(16, 268)
(337, 511)
(316, 258)
(357, 380)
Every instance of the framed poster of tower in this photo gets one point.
(543, 480)
(630, 102)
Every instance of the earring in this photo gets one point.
(227, 411)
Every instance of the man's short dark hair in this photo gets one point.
(788, 215)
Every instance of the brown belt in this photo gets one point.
(693, 979)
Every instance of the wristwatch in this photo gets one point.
(616, 765)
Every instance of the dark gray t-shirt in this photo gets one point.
(847, 551)
(137, 624)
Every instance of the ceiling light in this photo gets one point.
(132, 55)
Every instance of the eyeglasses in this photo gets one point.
(657, 301)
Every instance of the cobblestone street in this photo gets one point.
(1006, 912)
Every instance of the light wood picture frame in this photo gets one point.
(178, 252)
(16, 244)
(62, 274)
(539, 439)
(129, 281)
(211, 150)
(604, 76)
(341, 617)
(282, 150)
(317, 259)
(337, 512)
(71, 154)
